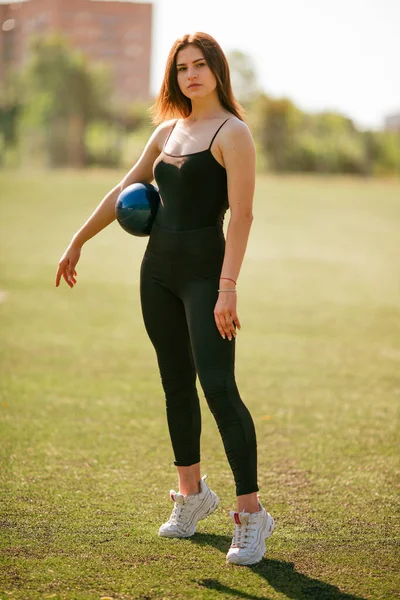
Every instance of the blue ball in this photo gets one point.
(136, 208)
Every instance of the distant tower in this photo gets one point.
(116, 34)
(392, 122)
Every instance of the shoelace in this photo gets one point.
(243, 535)
(178, 514)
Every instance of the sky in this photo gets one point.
(341, 55)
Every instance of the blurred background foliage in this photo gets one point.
(59, 111)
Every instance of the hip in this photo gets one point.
(206, 244)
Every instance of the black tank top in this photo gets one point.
(193, 189)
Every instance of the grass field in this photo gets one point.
(86, 459)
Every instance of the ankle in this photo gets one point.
(248, 503)
(189, 490)
(189, 479)
(250, 509)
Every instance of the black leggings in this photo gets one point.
(179, 281)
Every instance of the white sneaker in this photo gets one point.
(188, 510)
(251, 531)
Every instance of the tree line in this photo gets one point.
(59, 111)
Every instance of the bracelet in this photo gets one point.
(229, 279)
(227, 291)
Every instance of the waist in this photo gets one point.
(190, 245)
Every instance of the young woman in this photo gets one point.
(203, 161)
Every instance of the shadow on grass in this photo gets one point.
(280, 575)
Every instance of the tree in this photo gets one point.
(279, 120)
(243, 75)
(64, 94)
(383, 151)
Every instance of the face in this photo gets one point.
(195, 78)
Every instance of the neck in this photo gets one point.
(206, 108)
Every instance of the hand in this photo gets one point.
(225, 314)
(67, 264)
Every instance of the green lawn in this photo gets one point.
(86, 458)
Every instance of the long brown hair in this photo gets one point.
(170, 101)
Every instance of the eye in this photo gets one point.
(181, 68)
(201, 64)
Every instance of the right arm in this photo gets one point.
(104, 214)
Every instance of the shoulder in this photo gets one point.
(235, 140)
(161, 133)
(235, 133)
(233, 123)
(166, 125)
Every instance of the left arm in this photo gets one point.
(238, 151)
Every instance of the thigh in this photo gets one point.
(210, 350)
(165, 318)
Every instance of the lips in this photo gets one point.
(194, 85)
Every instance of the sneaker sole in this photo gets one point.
(269, 529)
(175, 534)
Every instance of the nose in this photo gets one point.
(192, 73)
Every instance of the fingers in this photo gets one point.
(58, 276)
(71, 275)
(226, 324)
(237, 322)
(229, 327)
(219, 325)
(67, 280)
(68, 273)
(61, 271)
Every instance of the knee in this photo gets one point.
(219, 387)
(178, 374)
(213, 380)
(177, 384)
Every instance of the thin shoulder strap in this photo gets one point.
(215, 134)
(169, 135)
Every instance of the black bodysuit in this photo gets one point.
(193, 190)
(179, 289)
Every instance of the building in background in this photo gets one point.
(392, 122)
(117, 34)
